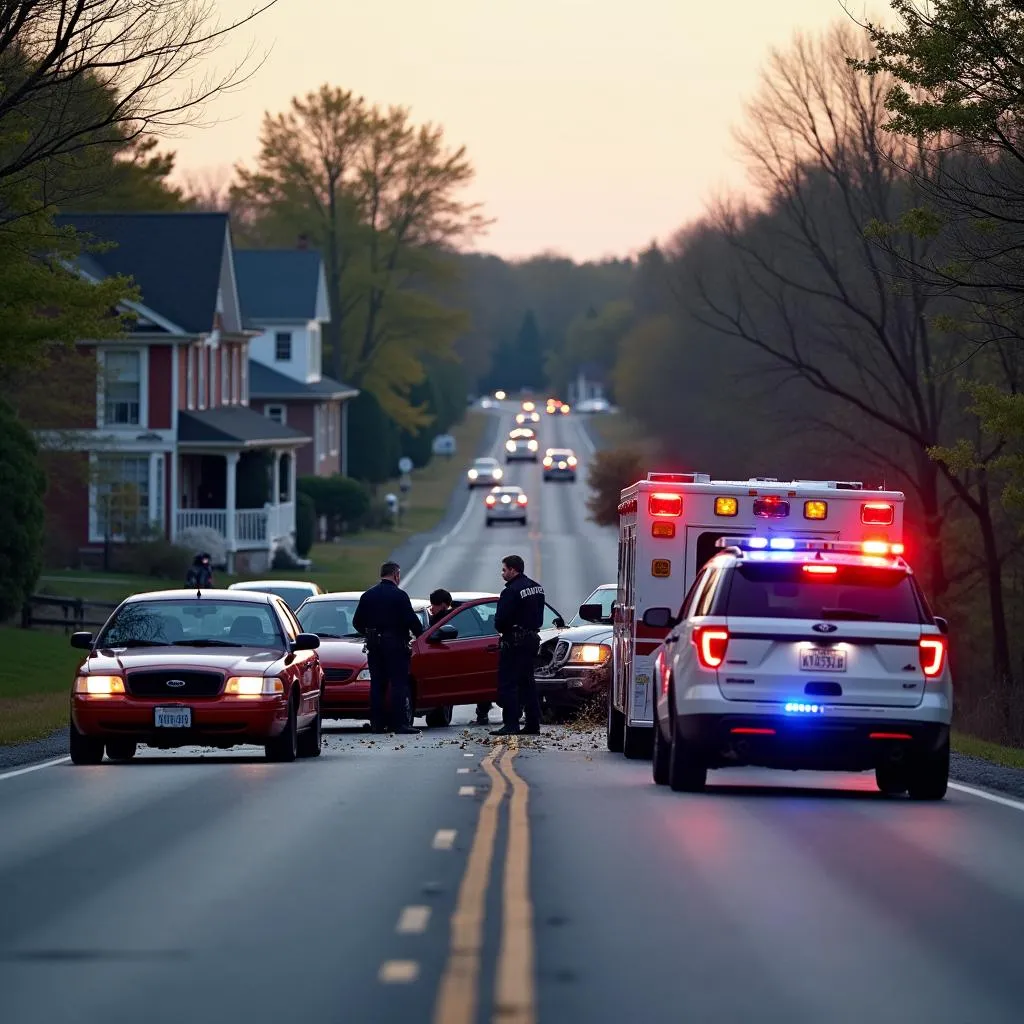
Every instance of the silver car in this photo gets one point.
(522, 445)
(506, 504)
(484, 473)
(292, 592)
(560, 464)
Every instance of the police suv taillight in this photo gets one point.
(711, 643)
(932, 651)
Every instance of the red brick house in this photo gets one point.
(283, 293)
(174, 444)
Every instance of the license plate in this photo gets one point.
(172, 718)
(822, 659)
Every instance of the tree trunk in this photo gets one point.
(928, 487)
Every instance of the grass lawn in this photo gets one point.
(33, 699)
(1008, 757)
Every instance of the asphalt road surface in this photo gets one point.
(447, 880)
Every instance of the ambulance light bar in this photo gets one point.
(679, 478)
(844, 547)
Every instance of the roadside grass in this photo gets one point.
(1008, 757)
(34, 695)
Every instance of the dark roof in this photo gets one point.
(277, 284)
(234, 425)
(174, 258)
(267, 383)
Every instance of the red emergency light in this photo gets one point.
(877, 513)
(659, 504)
(771, 508)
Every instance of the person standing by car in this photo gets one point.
(385, 617)
(518, 619)
(440, 605)
(200, 573)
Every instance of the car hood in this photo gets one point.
(242, 660)
(590, 633)
(341, 653)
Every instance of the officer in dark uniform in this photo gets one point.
(518, 619)
(385, 617)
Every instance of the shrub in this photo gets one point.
(158, 558)
(285, 558)
(305, 523)
(203, 538)
(342, 501)
(379, 516)
(610, 472)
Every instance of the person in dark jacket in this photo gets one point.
(385, 617)
(440, 605)
(518, 620)
(200, 573)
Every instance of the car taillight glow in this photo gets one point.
(820, 570)
(572, 460)
(661, 669)
(522, 499)
(490, 499)
(548, 461)
(877, 513)
(510, 446)
(881, 547)
(99, 686)
(815, 510)
(665, 504)
(711, 643)
(932, 650)
(771, 508)
(726, 506)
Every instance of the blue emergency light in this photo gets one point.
(797, 708)
(846, 547)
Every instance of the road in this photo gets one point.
(446, 880)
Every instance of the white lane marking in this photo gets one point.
(462, 771)
(413, 920)
(467, 755)
(398, 971)
(34, 768)
(1005, 801)
(585, 436)
(467, 790)
(444, 838)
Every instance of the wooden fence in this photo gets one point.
(71, 613)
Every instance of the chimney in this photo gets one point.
(303, 242)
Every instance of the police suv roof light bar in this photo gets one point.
(844, 547)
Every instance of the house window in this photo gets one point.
(225, 375)
(202, 354)
(190, 376)
(283, 346)
(275, 413)
(122, 496)
(122, 388)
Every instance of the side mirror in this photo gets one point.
(659, 618)
(83, 641)
(444, 633)
(591, 613)
(306, 642)
(942, 623)
(559, 622)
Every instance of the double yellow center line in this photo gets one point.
(515, 998)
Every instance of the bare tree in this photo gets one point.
(76, 73)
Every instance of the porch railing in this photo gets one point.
(254, 527)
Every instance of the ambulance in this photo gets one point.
(669, 525)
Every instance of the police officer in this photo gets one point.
(385, 617)
(518, 619)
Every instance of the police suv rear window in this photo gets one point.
(852, 593)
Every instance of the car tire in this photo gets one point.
(891, 779)
(311, 738)
(637, 743)
(687, 773)
(929, 774)
(121, 750)
(285, 748)
(84, 749)
(440, 718)
(615, 727)
(659, 756)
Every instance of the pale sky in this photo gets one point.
(595, 126)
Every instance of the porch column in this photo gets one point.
(292, 477)
(175, 493)
(344, 437)
(232, 498)
(276, 492)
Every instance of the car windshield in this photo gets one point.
(853, 592)
(292, 596)
(198, 622)
(484, 464)
(329, 619)
(605, 597)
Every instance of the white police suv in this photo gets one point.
(804, 654)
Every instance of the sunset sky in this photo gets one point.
(595, 126)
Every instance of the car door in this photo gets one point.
(465, 669)
(305, 665)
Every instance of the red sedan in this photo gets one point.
(455, 662)
(176, 668)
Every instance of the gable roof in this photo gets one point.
(235, 426)
(278, 284)
(265, 382)
(175, 259)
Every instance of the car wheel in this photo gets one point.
(686, 772)
(891, 779)
(616, 726)
(121, 750)
(929, 774)
(311, 738)
(285, 748)
(659, 756)
(439, 718)
(84, 749)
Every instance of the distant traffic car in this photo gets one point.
(483, 473)
(594, 405)
(527, 417)
(455, 662)
(173, 668)
(575, 666)
(529, 406)
(560, 464)
(292, 592)
(521, 445)
(506, 504)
